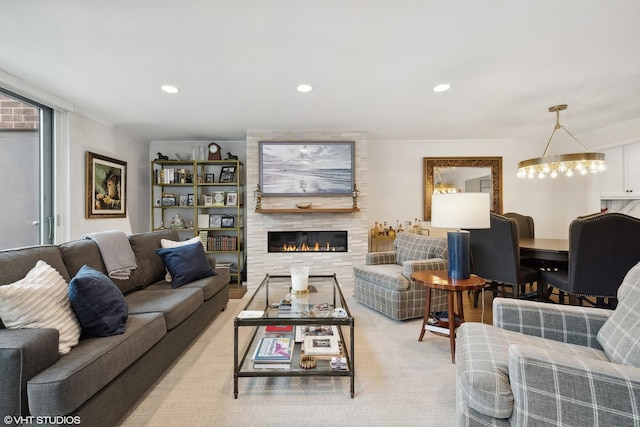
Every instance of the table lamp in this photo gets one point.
(459, 210)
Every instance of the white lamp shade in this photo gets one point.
(460, 210)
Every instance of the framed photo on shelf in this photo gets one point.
(227, 221)
(106, 187)
(232, 198)
(183, 200)
(209, 178)
(168, 199)
(189, 199)
(207, 200)
(215, 221)
(227, 174)
(218, 198)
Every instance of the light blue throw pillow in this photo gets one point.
(98, 303)
(186, 263)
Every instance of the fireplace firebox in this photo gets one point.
(307, 241)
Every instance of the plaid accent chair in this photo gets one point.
(384, 282)
(552, 365)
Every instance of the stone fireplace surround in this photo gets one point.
(261, 262)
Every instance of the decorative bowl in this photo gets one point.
(183, 156)
(305, 205)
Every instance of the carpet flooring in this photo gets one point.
(398, 382)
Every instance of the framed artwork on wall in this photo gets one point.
(305, 168)
(106, 187)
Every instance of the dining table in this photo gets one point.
(545, 249)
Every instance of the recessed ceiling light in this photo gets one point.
(442, 87)
(170, 89)
(304, 88)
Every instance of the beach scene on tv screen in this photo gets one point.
(307, 168)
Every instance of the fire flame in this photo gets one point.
(306, 248)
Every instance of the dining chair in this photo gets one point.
(602, 248)
(526, 228)
(495, 256)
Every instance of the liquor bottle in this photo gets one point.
(416, 227)
(392, 232)
(376, 230)
(400, 230)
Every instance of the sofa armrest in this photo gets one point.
(23, 354)
(565, 323)
(409, 267)
(375, 258)
(567, 389)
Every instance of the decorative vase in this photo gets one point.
(299, 278)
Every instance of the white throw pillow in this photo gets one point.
(41, 300)
(166, 243)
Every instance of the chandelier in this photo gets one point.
(568, 164)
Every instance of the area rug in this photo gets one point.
(398, 382)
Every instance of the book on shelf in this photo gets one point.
(273, 349)
(271, 365)
(435, 328)
(328, 345)
(315, 330)
(222, 243)
(223, 264)
(278, 329)
(443, 317)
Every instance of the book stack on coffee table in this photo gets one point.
(273, 353)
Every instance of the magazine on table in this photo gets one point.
(273, 349)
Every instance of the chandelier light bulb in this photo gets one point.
(584, 163)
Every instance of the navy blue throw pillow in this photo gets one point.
(186, 263)
(98, 303)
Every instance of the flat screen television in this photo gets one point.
(304, 168)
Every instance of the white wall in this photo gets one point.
(395, 173)
(85, 134)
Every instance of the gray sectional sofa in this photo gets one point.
(384, 282)
(100, 379)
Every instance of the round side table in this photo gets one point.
(439, 279)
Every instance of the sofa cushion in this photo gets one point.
(386, 275)
(79, 253)
(93, 363)
(40, 300)
(149, 263)
(210, 286)
(620, 334)
(24, 259)
(175, 304)
(410, 247)
(186, 263)
(482, 364)
(98, 303)
(166, 243)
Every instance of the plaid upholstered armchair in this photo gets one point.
(550, 365)
(384, 282)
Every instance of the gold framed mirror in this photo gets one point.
(431, 176)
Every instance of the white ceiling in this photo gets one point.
(372, 64)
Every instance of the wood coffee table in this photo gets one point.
(439, 279)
